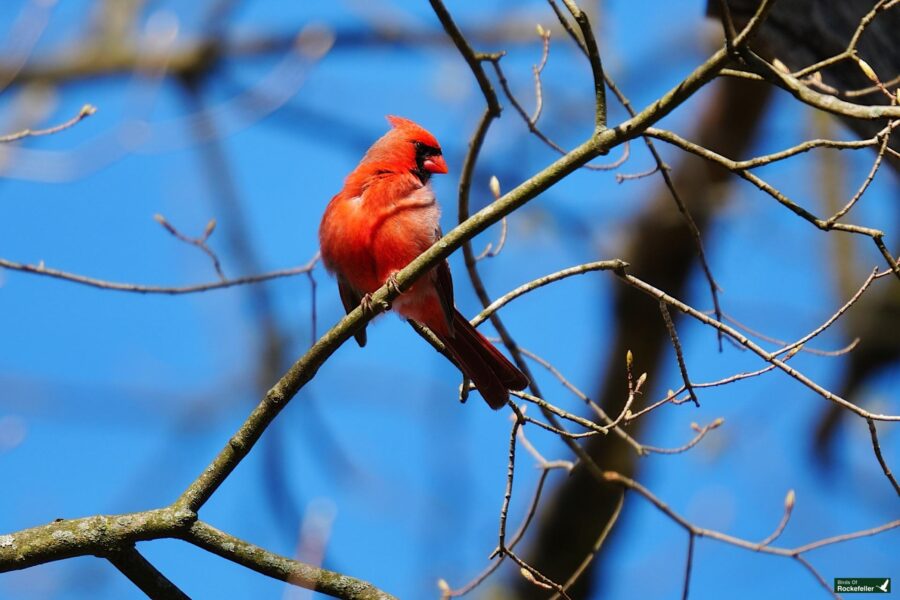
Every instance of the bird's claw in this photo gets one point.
(393, 284)
(368, 304)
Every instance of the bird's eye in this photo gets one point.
(423, 149)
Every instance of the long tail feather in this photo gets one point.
(481, 362)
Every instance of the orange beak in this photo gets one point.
(435, 164)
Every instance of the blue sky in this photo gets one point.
(114, 402)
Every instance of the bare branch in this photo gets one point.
(850, 51)
(604, 533)
(734, 167)
(676, 344)
(601, 265)
(86, 111)
(788, 508)
(40, 269)
(743, 341)
(278, 567)
(877, 448)
(865, 185)
(199, 242)
(816, 99)
(701, 433)
(736, 541)
(144, 575)
(593, 55)
(689, 562)
(468, 54)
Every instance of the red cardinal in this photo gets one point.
(383, 218)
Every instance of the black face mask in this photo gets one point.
(423, 153)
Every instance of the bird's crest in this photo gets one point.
(412, 131)
(401, 123)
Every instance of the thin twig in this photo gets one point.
(537, 131)
(663, 169)
(701, 433)
(808, 566)
(824, 102)
(850, 50)
(537, 70)
(489, 250)
(828, 322)
(595, 548)
(877, 448)
(750, 345)
(623, 177)
(734, 167)
(619, 269)
(493, 307)
(536, 577)
(730, 33)
(598, 410)
(199, 242)
(789, 500)
(520, 532)
(767, 338)
(507, 495)
(689, 562)
(679, 355)
(40, 269)
(86, 111)
(664, 508)
(865, 184)
(313, 311)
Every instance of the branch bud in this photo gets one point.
(789, 500)
(162, 221)
(494, 184)
(629, 359)
(530, 578)
(867, 70)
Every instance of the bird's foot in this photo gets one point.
(393, 284)
(368, 304)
